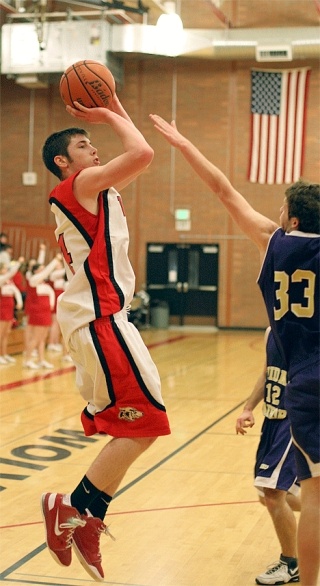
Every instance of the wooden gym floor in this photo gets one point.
(187, 513)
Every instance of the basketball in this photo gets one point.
(88, 82)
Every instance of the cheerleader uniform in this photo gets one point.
(41, 298)
(10, 297)
(57, 280)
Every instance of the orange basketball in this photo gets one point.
(88, 82)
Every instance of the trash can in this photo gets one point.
(159, 314)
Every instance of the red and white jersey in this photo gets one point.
(95, 252)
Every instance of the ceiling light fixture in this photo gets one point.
(169, 22)
(169, 31)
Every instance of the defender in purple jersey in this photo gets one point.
(290, 284)
(275, 474)
(115, 373)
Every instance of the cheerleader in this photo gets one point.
(57, 279)
(27, 274)
(10, 298)
(40, 304)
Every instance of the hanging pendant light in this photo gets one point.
(170, 21)
(169, 30)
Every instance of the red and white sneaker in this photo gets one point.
(60, 521)
(86, 544)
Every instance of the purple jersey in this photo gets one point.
(289, 281)
(276, 380)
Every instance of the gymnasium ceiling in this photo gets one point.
(218, 29)
(200, 14)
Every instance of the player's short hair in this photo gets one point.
(57, 144)
(303, 200)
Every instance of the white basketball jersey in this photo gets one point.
(95, 252)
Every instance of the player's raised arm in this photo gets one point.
(117, 107)
(136, 156)
(256, 226)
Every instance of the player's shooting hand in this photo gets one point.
(116, 107)
(115, 104)
(90, 115)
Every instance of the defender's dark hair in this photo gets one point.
(304, 203)
(57, 144)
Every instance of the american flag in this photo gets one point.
(278, 117)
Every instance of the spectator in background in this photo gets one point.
(27, 274)
(6, 253)
(6, 257)
(57, 279)
(3, 240)
(40, 304)
(10, 298)
(20, 282)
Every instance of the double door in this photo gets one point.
(186, 277)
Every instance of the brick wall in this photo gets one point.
(211, 100)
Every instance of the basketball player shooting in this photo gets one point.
(115, 374)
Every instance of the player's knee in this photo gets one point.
(262, 500)
(273, 498)
(145, 442)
